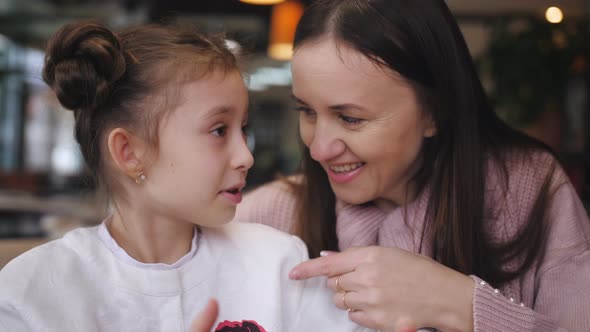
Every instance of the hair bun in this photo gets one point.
(83, 61)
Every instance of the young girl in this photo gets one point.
(160, 116)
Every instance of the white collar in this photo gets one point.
(120, 253)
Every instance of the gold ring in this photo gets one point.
(349, 309)
(338, 287)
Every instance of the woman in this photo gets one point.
(445, 217)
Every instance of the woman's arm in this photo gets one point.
(385, 287)
(561, 298)
(387, 284)
(272, 204)
(562, 302)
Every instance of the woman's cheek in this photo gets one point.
(306, 132)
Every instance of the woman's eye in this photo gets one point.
(305, 110)
(350, 120)
(220, 131)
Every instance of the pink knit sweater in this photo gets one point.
(554, 295)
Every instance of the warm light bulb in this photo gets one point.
(262, 2)
(554, 15)
(281, 51)
(283, 22)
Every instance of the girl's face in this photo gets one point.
(361, 122)
(202, 158)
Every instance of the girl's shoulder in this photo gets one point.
(256, 241)
(40, 262)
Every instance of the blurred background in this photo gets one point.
(533, 57)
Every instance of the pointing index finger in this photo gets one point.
(329, 266)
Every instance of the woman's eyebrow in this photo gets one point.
(336, 108)
(347, 106)
(298, 100)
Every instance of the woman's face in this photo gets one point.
(361, 122)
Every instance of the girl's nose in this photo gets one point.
(243, 158)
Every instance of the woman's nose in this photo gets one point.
(325, 144)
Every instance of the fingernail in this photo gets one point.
(325, 253)
(294, 275)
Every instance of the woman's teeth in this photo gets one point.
(345, 168)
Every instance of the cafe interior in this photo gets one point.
(533, 57)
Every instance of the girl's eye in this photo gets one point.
(350, 120)
(246, 129)
(220, 131)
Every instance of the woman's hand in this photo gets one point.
(206, 318)
(392, 289)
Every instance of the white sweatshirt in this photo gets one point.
(78, 283)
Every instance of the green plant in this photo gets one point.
(529, 62)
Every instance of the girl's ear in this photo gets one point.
(127, 151)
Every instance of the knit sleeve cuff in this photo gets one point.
(493, 312)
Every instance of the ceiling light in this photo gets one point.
(554, 15)
(262, 2)
(283, 22)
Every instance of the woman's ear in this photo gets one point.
(429, 126)
(127, 151)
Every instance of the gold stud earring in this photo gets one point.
(140, 177)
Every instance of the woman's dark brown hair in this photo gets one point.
(125, 79)
(421, 40)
